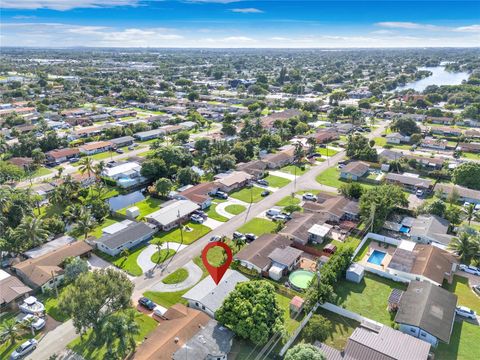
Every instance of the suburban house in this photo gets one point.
(123, 235)
(199, 194)
(184, 325)
(283, 261)
(464, 194)
(375, 341)
(172, 214)
(334, 208)
(422, 263)
(428, 163)
(12, 291)
(410, 182)
(279, 159)
(122, 141)
(24, 163)
(269, 120)
(440, 120)
(430, 228)
(436, 144)
(469, 147)
(126, 174)
(44, 271)
(58, 156)
(49, 246)
(323, 136)
(397, 138)
(232, 180)
(354, 170)
(149, 135)
(208, 296)
(305, 227)
(256, 254)
(445, 131)
(95, 147)
(256, 168)
(427, 312)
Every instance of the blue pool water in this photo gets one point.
(376, 257)
(404, 229)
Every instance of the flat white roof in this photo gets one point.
(173, 211)
(122, 169)
(320, 230)
(4, 275)
(407, 245)
(114, 228)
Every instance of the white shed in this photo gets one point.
(355, 273)
(132, 212)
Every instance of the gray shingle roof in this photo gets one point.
(132, 233)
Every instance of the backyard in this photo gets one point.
(369, 298)
(258, 226)
(145, 207)
(464, 343)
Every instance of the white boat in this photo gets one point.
(32, 306)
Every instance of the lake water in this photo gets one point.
(121, 201)
(439, 77)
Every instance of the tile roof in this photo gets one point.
(257, 251)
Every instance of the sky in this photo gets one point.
(240, 23)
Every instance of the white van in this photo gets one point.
(272, 212)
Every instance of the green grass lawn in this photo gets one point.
(326, 151)
(277, 181)
(290, 323)
(212, 213)
(162, 256)
(129, 264)
(369, 298)
(41, 171)
(51, 306)
(331, 177)
(6, 348)
(288, 200)
(198, 230)
(176, 277)
(87, 348)
(258, 226)
(248, 195)
(290, 169)
(235, 209)
(363, 251)
(470, 156)
(146, 206)
(380, 141)
(466, 296)
(166, 299)
(464, 343)
(97, 232)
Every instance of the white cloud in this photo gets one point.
(279, 38)
(238, 38)
(64, 4)
(247, 11)
(23, 17)
(471, 28)
(408, 25)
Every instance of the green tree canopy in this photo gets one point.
(304, 351)
(468, 175)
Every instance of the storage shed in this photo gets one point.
(355, 273)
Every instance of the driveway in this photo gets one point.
(54, 342)
(194, 276)
(212, 223)
(414, 201)
(220, 209)
(144, 260)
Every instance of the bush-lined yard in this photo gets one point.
(195, 233)
(145, 207)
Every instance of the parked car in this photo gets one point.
(119, 151)
(160, 311)
(272, 212)
(476, 289)
(420, 193)
(466, 312)
(201, 213)
(221, 195)
(73, 160)
(470, 269)
(27, 347)
(147, 303)
(197, 219)
(280, 217)
(314, 155)
(265, 193)
(309, 197)
(238, 235)
(131, 147)
(215, 238)
(37, 322)
(262, 182)
(250, 237)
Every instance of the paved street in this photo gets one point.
(55, 341)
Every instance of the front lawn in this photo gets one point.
(145, 207)
(41, 171)
(288, 200)
(276, 181)
(89, 350)
(176, 277)
(331, 177)
(369, 298)
(326, 152)
(248, 195)
(235, 209)
(51, 305)
(295, 169)
(162, 256)
(258, 226)
(197, 231)
(466, 296)
(166, 299)
(464, 343)
(129, 263)
(212, 213)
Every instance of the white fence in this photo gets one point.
(347, 313)
(297, 331)
(375, 237)
(387, 275)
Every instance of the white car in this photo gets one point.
(466, 312)
(197, 219)
(470, 269)
(37, 323)
(309, 197)
(24, 349)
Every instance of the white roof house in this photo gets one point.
(171, 213)
(320, 230)
(123, 170)
(118, 226)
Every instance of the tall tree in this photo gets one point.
(85, 223)
(464, 246)
(87, 166)
(118, 332)
(304, 351)
(31, 231)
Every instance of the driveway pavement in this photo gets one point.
(194, 275)
(220, 209)
(54, 342)
(144, 260)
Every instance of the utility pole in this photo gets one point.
(55, 284)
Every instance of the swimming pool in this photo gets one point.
(376, 257)
(300, 279)
(404, 229)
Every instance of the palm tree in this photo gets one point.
(9, 331)
(463, 246)
(312, 144)
(98, 169)
(120, 327)
(471, 214)
(298, 152)
(72, 213)
(31, 231)
(124, 253)
(85, 223)
(86, 166)
(28, 324)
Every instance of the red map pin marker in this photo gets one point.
(217, 272)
